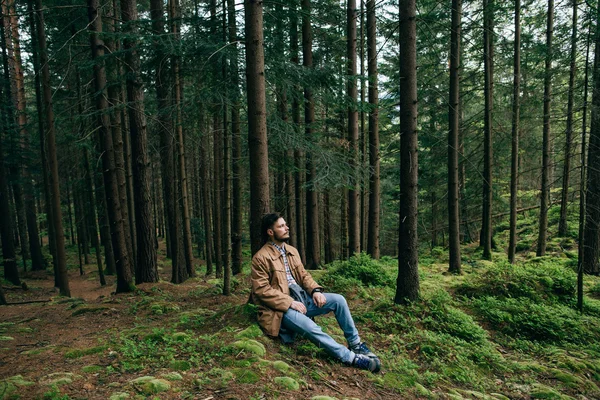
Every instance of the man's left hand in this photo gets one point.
(319, 299)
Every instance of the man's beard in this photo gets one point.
(281, 239)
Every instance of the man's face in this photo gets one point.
(280, 231)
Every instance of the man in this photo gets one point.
(288, 298)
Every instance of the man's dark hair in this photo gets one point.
(268, 220)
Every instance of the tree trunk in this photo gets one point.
(11, 271)
(374, 178)
(61, 267)
(236, 151)
(174, 13)
(591, 235)
(488, 62)
(217, 191)
(564, 202)
(226, 201)
(514, 167)
(546, 167)
(257, 120)
(313, 250)
(206, 204)
(146, 267)
(407, 284)
(111, 184)
(298, 232)
(354, 211)
(454, 262)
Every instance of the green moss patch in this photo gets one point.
(244, 375)
(251, 346)
(287, 383)
(251, 332)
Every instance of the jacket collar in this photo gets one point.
(275, 254)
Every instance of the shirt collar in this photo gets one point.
(280, 248)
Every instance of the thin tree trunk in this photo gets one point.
(562, 222)
(174, 12)
(217, 191)
(354, 212)
(488, 61)
(591, 235)
(313, 251)
(514, 168)
(11, 271)
(545, 192)
(206, 204)
(299, 231)
(374, 178)
(226, 200)
(111, 184)
(257, 121)
(407, 284)
(61, 267)
(236, 151)
(453, 147)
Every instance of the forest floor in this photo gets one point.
(495, 332)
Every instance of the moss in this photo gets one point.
(323, 398)
(119, 396)
(85, 310)
(251, 346)
(76, 353)
(91, 369)
(180, 365)
(153, 386)
(173, 376)
(281, 366)
(6, 338)
(287, 383)
(243, 375)
(251, 332)
(540, 391)
(180, 336)
(499, 396)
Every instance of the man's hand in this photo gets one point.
(298, 306)
(319, 299)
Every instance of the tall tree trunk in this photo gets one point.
(545, 192)
(363, 140)
(217, 191)
(591, 235)
(257, 120)
(562, 222)
(119, 130)
(488, 61)
(111, 184)
(298, 230)
(226, 200)
(354, 211)
(374, 178)
(91, 209)
(582, 185)
(236, 150)
(514, 166)
(313, 250)
(407, 284)
(61, 267)
(174, 11)
(453, 133)
(166, 137)
(146, 266)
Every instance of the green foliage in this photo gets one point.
(540, 281)
(527, 319)
(359, 270)
(55, 394)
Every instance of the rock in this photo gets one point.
(287, 382)
(251, 346)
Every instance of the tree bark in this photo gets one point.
(111, 184)
(591, 235)
(514, 168)
(488, 61)
(257, 120)
(546, 167)
(407, 284)
(374, 178)
(354, 211)
(145, 267)
(564, 201)
(226, 200)
(454, 262)
(61, 267)
(313, 248)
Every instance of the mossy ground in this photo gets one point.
(497, 331)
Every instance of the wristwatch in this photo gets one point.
(316, 290)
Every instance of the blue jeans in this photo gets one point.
(304, 325)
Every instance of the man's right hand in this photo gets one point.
(298, 306)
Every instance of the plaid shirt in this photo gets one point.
(288, 272)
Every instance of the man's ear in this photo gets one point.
(270, 232)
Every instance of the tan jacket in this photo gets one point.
(270, 290)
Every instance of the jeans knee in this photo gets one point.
(337, 299)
